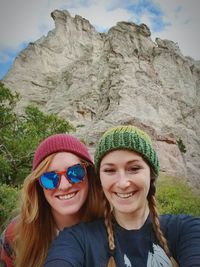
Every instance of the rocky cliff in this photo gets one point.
(96, 80)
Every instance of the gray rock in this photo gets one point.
(97, 80)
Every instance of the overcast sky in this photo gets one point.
(23, 21)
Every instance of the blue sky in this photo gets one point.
(24, 21)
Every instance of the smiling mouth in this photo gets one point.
(67, 196)
(124, 195)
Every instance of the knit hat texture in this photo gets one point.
(60, 143)
(126, 137)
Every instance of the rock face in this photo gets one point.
(97, 80)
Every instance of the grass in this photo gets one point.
(175, 196)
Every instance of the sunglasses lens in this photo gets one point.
(49, 180)
(76, 173)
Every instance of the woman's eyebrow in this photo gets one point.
(134, 161)
(107, 164)
(113, 164)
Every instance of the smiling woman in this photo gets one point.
(55, 195)
(125, 179)
(132, 234)
(67, 196)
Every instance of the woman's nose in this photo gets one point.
(64, 183)
(123, 180)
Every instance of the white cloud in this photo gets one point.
(20, 19)
(184, 19)
(27, 20)
(146, 18)
(100, 17)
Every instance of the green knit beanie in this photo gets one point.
(126, 137)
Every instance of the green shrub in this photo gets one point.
(8, 203)
(175, 196)
(181, 145)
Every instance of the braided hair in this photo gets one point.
(154, 218)
(134, 139)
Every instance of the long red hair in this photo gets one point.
(35, 226)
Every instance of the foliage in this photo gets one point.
(7, 103)
(181, 145)
(20, 135)
(8, 202)
(176, 196)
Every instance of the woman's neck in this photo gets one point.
(133, 220)
(62, 221)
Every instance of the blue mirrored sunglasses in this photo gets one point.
(74, 174)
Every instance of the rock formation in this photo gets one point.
(96, 80)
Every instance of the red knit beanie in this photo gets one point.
(60, 143)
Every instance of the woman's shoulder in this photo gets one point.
(6, 244)
(86, 227)
(180, 223)
(8, 232)
(83, 233)
(183, 235)
(179, 219)
(78, 244)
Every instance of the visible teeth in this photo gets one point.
(124, 195)
(68, 196)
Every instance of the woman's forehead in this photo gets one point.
(121, 155)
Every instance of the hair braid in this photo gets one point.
(111, 241)
(156, 223)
